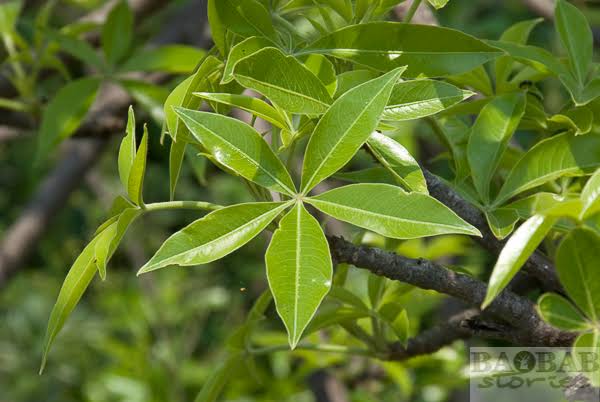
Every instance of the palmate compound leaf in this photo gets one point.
(428, 50)
(215, 235)
(284, 80)
(561, 155)
(577, 259)
(299, 270)
(390, 211)
(345, 127)
(239, 147)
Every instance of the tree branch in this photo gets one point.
(538, 265)
(509, 307)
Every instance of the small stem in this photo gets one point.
(206, 206)
(411, 11)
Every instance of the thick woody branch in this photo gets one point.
(514, 310)
(538, 265)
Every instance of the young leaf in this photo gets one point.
(560, 313)
(214, 236)
(428, 50)
(577, 259)
(135, 182)
(239, 147)
(182, 96)
(576, 36)
(243, 17)
(127, 149)
(489, 137)
(284, 80)
(117, 32)
(176, 155)
(419, 98)
(561, 155)
(345, 128)
(516, 251)
(590, 196)
(299, 270)
(390, 211)
(242, 50)
(64, 113)
(250, 104)
(79, 277)
(398, 161)
(178, 59)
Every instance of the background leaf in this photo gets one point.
(177, 59)
(117, 33)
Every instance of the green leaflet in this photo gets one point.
(238, 147)
(425, 49)
(182, 96)
(390, 211)
(135, 182)
(590, 196)
(398, 161)
(576, 36)
(419, 98)
(515, 252)
(117, 33)
(560, 313)
(214, 236)
(350, 79)
(344, 128)
(320, 66)
(65, 112)
(589, 342)
(77, 48)
(438, 3)
(369, 175)
(299, 270)
(502, 221)
(578, 120)
(577, 266)
(397, 319)
(489, 137)
(284, 80)
(177, 59)
(127, 149)
(561, 155)
(243, 17)
(250, 104)
(243, 49)
(176, 155)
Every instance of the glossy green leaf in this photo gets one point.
(515, 252)
(478, 79)
(239, 147)
(577, 259)
(578, 120)
(576, 36)
(243, 49)
(299, 270)
(398, 161)
(117, 32)
(320, 66)
(182, 96)
(250, 104)
(135, 182)
(345, 128)
(561, 155)
(489, 137)
(517, 33)
(428, 50)
(390, 211)
(244, 17)
(350, 79)
(419, 98)
(65, 112)
(79, 277)
(283, 80)
(590, 196)
(502, 221)
(127, 149)
(560, 313)
(177, 59)
(214, 236)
